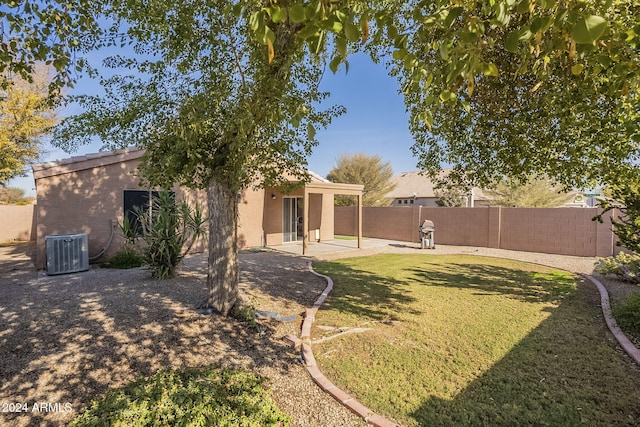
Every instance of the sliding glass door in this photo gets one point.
(292, 211)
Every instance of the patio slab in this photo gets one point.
(326, 247)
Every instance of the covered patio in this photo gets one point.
(329, 188)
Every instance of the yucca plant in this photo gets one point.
(170, 230)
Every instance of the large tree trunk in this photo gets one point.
(222, 276)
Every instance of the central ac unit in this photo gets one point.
(67, 253)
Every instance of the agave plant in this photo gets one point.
(170, 229)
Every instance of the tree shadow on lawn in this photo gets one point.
(568, 371)
(368, 295)
(378, 297)
(544, 286)
(68, 339)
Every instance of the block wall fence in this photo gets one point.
(562, 231)
(17, 223)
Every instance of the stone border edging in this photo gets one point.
(318, 377)
(624, 342)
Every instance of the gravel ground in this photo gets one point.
(68, 339)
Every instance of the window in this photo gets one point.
(138, 200)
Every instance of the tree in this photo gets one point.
(214, 110)
(555, 94)
(14, 196)
(369, 171)
(536, 193)
(25, 118)
(450, 196)
(53, 32)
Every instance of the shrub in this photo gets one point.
(625, 266)
(625, 196)
(125, 258)
(169, 231)
(194, 397)
(628, 314)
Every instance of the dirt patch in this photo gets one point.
(66, 340)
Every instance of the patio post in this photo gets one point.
(305, 220)
(360, 220)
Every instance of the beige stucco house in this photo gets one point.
(416, 189)
(92, 193)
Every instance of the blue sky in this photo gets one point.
(375, 122)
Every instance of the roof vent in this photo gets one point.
(67, 253)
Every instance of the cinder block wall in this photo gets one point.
(563, 231)
(458, 226)
(18, 223)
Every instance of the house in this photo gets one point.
(413, 188)
(92, 194)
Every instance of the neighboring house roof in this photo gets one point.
(413, 184)
(104, 158)
(317, 178)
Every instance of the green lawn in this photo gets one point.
(463, 340)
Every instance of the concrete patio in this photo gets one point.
(334, 246)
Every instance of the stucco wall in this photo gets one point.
(87, 201)
(564, 231)
(17, 223)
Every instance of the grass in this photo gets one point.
(193, 397)
(462, 340)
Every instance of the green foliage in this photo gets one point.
(14, 196)
(545, 104)
(627, 314)
(535, 193)
(169, 231)
(125, 258)
(625, 197)
(451, 196)
(625, 266)
(53, 32)
(208, 108)
(129, 232)
(193, 397)
(366, 170)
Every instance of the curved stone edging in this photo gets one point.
(318, 377)
(624, 342)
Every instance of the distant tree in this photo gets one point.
(25, 118)
(450, 197)
(535, 193)
(369, 171)
(14, 196)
